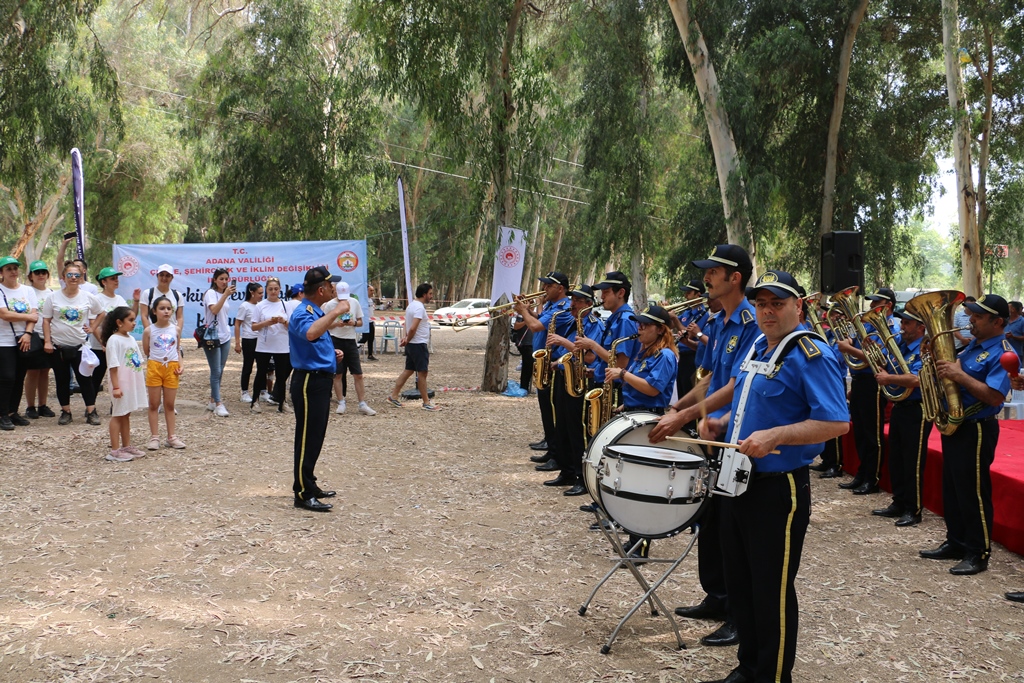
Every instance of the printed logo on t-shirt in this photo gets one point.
(165, 342)
(70, 315)
(19, 306)
(133, 360)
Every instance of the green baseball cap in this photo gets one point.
(107, 272)
(38, 265)
(9, 260)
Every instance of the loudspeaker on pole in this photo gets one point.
(842, 261)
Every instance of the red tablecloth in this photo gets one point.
(1007, 480)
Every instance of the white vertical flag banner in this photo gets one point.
(508, 263)
(410, 292)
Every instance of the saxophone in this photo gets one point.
(600, 400)
(542, 359)
(573, 367)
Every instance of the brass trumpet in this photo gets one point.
(496, 312)
(686, 305)
(885, 355)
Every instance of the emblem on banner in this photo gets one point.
(509, 256)
(129, 265)
(348, 261)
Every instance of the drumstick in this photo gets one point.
(720, 444)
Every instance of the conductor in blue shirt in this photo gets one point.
(313, 360)
(791, 406)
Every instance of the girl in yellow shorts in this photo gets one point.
(163, 345)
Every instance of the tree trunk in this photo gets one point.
(556, 247)
(528, 258)
(829, 193)
(39, 227)
(730, 181)
(986, 134)
(473, 267)
(970, 245)
(638, 276)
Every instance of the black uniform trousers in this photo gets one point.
(687, 368)
(832, 456)
(908, 448)
(967, 485)
(311, 398)
(569, 428)
(710, 566)
(762, 535)
(867, 411)
(547, 417)
(526, 374)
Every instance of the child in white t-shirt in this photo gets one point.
(127, 381)
(163, 372)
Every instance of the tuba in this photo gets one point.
(841, 316)
(886, 354)
(542, 359)
(812, 301)
(573, 367)
(940, 398)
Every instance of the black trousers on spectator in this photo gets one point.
(569, 428)
(368, 340)
(12, 379)
(967, 457)
(908, 446)
(311, 398)
(282, 368)
(867, 411)
(99, 372)
(64, 362)
(248, 359)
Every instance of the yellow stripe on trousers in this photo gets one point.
(305, 430)
(785, 577)
(919, 504)
(977, 480)
(878, 435)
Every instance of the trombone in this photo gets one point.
(687, 305)
(498, 311)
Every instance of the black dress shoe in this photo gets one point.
(820, 467)
(577, 490)
(312, 504)
(541, 445)
(865, 489)
(735, 676)
(1015, 597)
(562, 479)
(6, 424)
(725, 635)
(589, 508)
(855, 483)
(831, 473)
(908, 519)
(19, 420)
(893, 510)
(703, 610)
(970, 565)
(44, 411)
(946, 551)
(550, 466)
(320, 493)
(541, 458)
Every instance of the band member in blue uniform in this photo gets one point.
(832, 457)
(570, 429)
(867, 408)
(967, 454)
(792, 400)
(688, 324)
(555, 285)
(647, 382)
(615, 289)
(313, 359)
(908, 430)
(733, 331)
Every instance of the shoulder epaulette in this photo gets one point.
(808, 346)
(746, 317)
(1006, 346)
(309, 309)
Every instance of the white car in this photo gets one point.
(468, 309)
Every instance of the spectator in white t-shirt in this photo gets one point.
(215, 306)
(17, 320)
(37, 379)
(84, 285)
(245, 337)
(270, 321)
(344, 338)
(108, 299)
(164, 276)
(417, 350)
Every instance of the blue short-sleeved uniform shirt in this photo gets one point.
(563, 324)
(912, 355)
(807, 386)
(701, 346)
(728, 342)
(981, 361)
(697, 315)
(593, 328)
(305, 354)
(1016, 327)
(621, 323)
(866, 370)
(660, 372)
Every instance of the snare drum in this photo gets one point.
(652, 491)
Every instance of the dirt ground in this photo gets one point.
(443, 559)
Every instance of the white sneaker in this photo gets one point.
(255, 407)
(221, 411)
(341, 407)
(246, 397)
(365, 409)
(270, 401)
(211, 406)
(264, 396)
(284, 408)
(519, 368)
(119, 456)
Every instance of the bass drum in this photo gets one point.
(628, 428)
